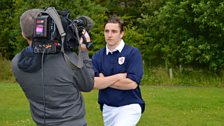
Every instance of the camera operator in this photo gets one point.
(52, 88)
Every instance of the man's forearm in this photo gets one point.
(104, 82)
(124, 84)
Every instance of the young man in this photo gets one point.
(118, 72)
(52, 88)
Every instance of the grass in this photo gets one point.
(165, 106)
(183, 106)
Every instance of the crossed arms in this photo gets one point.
(116, 81)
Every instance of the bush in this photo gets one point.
(152, 76)
(6, 70)
(181, 77)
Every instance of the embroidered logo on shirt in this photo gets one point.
(121, 60)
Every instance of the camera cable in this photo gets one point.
(43, 86)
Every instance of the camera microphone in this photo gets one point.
(85, 22)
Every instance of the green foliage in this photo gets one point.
(182, 77)
(121, 7)
(186, 32)
(132, 37)
(5, 71)
(6, 25)
(167, 32)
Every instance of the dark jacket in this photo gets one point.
(53, 89)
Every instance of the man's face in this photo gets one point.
(112, 34)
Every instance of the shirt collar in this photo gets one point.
(118, 48)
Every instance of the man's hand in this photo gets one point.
(87, 39)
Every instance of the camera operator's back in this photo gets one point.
(51, 86)
(54, 90)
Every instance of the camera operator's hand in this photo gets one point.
(85, 38)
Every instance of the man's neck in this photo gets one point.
(29, 42)
(112, 47)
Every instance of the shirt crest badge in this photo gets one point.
(121, 60)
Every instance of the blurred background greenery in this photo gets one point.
(181, 41)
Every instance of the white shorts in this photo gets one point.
(127, 115)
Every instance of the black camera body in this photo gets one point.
(47, 39)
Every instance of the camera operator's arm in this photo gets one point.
(86, 73)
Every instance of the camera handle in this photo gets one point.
(54, 15)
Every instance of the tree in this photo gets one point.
(6, 15)
(187, 32)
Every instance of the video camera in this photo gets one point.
(47, 37)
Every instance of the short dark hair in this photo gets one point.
(27, 20)
(116, 19)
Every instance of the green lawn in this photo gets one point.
(165, 106)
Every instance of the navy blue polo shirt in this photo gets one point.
(128, 61)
